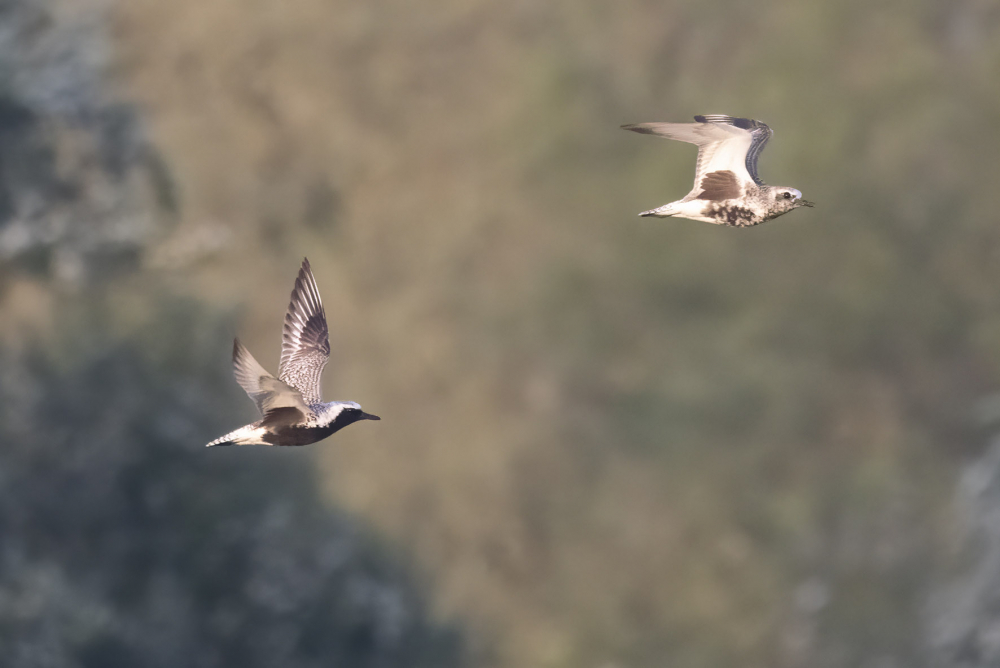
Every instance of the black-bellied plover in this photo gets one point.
(727, 190)
(293, 413)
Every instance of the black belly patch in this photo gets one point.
(297, 435)
(285, 426)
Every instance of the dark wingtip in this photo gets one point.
(305, 271)
(637, 127)
(236, 347)
(736, 121)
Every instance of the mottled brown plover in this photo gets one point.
(293, 413)
(727, 190)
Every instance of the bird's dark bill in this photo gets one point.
(369, 416)
(806, 203)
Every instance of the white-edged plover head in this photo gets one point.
(727, 190)
(290, 405)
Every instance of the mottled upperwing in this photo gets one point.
(305, 339)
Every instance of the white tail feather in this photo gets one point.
(248, 435)
(663, 211)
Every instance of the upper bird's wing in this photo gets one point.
(728, 149)
(759, 134)
(267, 391)
(305, 339)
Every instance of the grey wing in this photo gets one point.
(266, 391)
(305, 339)
(721, 147)
(759, 131)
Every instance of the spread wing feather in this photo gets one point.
(305, 339)
(725, 143)
(267, 391)
(759, 131)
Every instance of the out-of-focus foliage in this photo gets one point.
(82, 191)
(611, 441)
(963, 616)
(124, 543)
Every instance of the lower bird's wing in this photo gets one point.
(305, 340)
(267, 391)
(283, 417)
(727, 152)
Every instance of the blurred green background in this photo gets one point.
(607, 441)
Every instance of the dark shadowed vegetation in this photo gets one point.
(124, 544)
(606, 441)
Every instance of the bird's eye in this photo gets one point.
(788, 195)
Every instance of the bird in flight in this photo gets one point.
(727, 190)
(293, 412)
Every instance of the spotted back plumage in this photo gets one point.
(305, 339)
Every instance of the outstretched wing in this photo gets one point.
(759, 134)
(305, 339)
(267, 391)
(727, 152)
